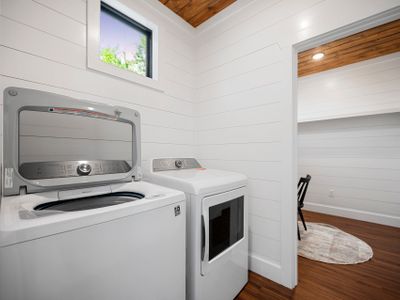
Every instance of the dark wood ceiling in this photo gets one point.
(196, 12)
(374, 42)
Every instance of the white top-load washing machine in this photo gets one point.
(76, 222)
(217, 223)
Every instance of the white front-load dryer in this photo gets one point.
(217, 225)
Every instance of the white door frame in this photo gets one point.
(352, 28)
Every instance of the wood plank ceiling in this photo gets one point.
(374, 42)
(196, 12)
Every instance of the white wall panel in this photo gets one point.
(264, 227)
(380, 171)
(181, 45)
(151, 150)
(354, 192)
(28, 39)
(246, 81)
(160, 134)
(265, 189)
(245, 117)
(240, 66)
(253, 169)
(45, 19)
(365, 88)
(265, 248)
(180, 75)
(75, 9)
(178, 90)
(355, 167)
(254, 133)
(266, 93)
(258, 152)
(265, 208)
(177, 60)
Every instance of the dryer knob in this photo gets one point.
(84, 169)
(178, 164)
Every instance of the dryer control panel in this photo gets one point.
(167, 164)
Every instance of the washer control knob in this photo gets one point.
(84, 169)
(178, 164)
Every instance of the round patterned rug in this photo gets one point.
(326, 243)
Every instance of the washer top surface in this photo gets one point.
(197, 181)
(20, 222)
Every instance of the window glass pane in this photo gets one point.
(123, 42)
(226, 225)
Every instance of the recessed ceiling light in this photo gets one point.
(318, 56)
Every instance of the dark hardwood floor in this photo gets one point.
(378, 278)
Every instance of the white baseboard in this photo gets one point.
(266, 268)
(354, 214)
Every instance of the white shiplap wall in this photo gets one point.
(364, 88)
(355, 167)
(43, 46)
(245, 117)
(354, 161)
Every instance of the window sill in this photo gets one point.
(97, 65)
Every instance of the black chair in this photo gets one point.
(301, 194)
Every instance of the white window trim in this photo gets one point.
(93, 44)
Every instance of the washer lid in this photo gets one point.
(194, 180)
(56, 142)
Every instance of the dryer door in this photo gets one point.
(223, 220)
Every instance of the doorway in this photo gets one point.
(323, 127)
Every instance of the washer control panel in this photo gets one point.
(167, 164)
(62, 169)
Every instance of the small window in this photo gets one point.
(124, 42)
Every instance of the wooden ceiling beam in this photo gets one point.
(196, 12)
(391, 28)
(371, 43)
(175, 5)
(211, 10)
(369, 48)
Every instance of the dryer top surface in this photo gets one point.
(197, 181)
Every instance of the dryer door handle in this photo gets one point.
(203, 237)
(205, 252)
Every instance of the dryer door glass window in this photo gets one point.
(226, 225)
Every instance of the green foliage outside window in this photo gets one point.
(119, 59)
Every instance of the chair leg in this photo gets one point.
(298, 232)
(302, 218)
